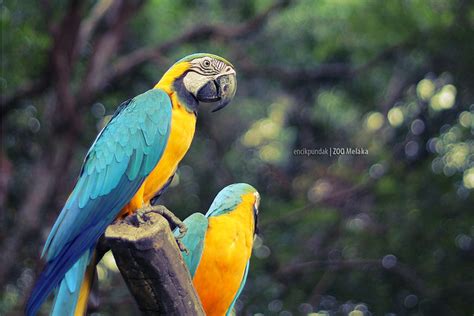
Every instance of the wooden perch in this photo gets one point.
(148, 257)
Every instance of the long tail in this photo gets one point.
(66, 286)
(73, 293)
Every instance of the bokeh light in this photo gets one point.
(395, 116)
(374, 121)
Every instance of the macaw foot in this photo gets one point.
(172, 219)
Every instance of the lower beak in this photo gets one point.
(219, 91)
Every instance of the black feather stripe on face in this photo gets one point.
(184, 95)
(212, 68)
(204, 71)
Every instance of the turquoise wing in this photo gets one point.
(242, 285)
(197, 225)
(120, 159)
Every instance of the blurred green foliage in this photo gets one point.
(387, 233)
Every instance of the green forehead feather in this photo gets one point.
(200, 55)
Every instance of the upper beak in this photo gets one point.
(220, 91)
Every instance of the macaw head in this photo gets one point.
(201, 78)
(233, 196)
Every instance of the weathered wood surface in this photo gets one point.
(148, 257)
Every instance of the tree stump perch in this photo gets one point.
(149, 260)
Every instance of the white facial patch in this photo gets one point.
(194, 81)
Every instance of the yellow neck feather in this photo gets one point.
(244, 211)
(168, 79)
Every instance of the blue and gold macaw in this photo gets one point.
(130, 163)
(220, 245)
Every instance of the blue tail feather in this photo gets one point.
(53, 274)
(69, 289)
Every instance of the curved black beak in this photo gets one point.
(219, 91)
(255, 212)
(255, 219)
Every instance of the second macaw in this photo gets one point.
(220, 245)
(130, 163)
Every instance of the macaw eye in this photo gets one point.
(206, 63)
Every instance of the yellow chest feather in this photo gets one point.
(227, 249)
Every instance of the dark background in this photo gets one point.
(387, 233)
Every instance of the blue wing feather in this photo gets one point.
(197, 225)
(105, 185)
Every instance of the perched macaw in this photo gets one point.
(130, 163)
(220, 244)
